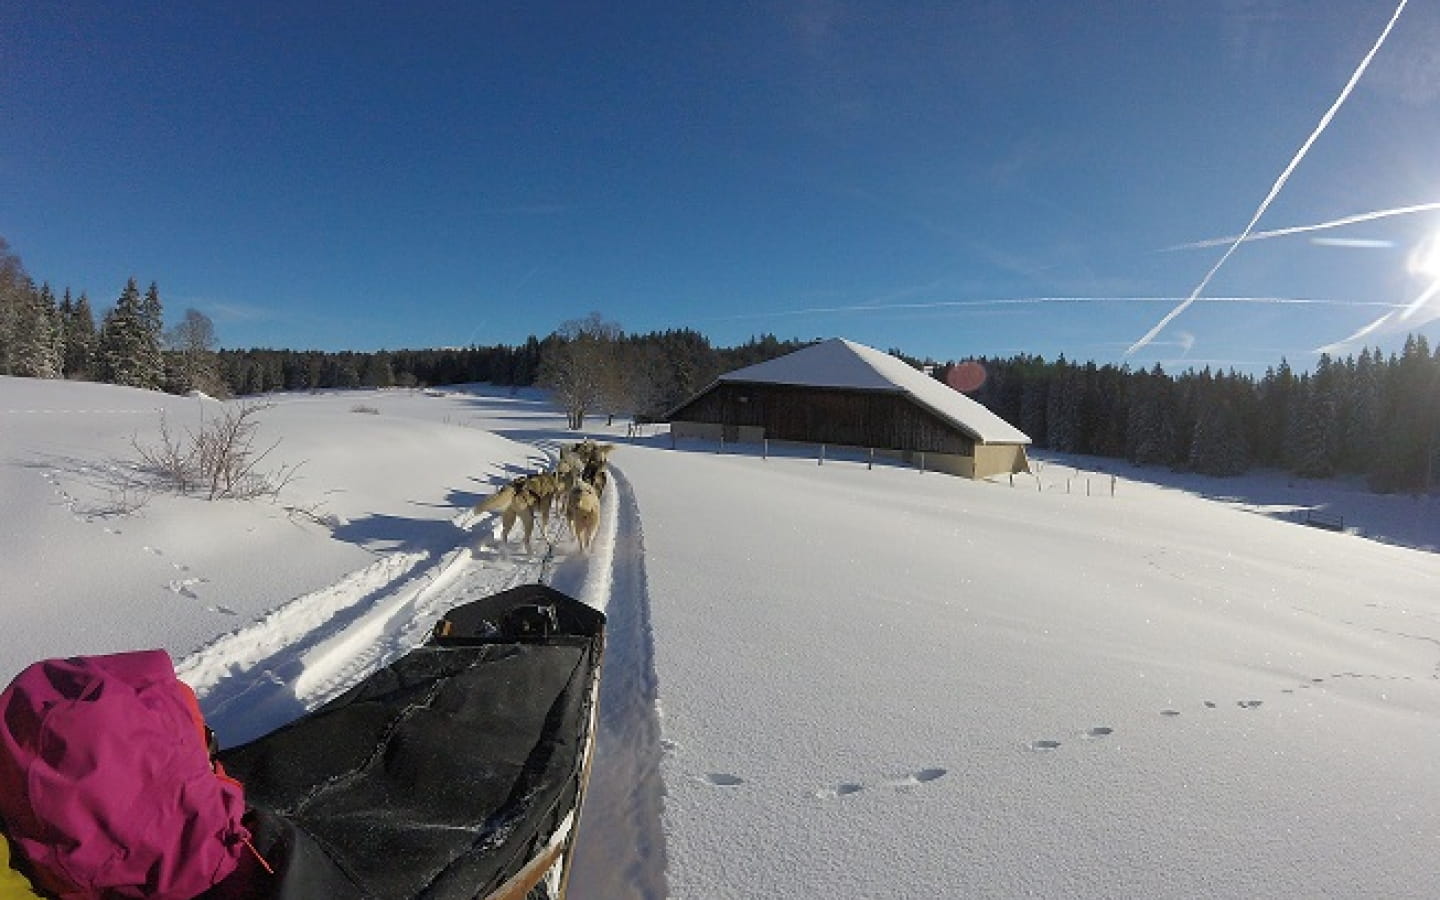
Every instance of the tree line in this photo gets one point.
(592, 365)
(42, 336)
(1367, 415)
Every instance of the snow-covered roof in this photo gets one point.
(838, 363)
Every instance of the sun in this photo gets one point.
(1424, 259)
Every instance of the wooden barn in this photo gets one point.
(842, 393)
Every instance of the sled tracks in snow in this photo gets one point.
(620, 848)
(315, 647)
(312, 649)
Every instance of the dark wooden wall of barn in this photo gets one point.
(883, 420)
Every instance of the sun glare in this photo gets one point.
(1424, 260)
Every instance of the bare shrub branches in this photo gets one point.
(221, 460)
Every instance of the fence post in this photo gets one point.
(1067, 485)
(922, 462)
(1012, 479)
(1112, 485)
(765, 453)
(720, 448)
(822, 456)
(1087, 487)
(672, 438)
(871, 465)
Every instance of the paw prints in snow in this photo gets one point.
(182, 587)
(903, 782)
(722, 779)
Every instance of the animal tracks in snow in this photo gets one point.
(184, 587)
(844, 789)
(902, 782)
(723, 779)
(1249, 704)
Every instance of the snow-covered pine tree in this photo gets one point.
(125, 345)
(1150, 436)
(1358, 444)
(1277, 399)
(1062, 408)
(1308, 437)
(1316, 432)
(1034, 396)
(33, 345)
(1409, 427)
(13, 284)
(152, 338)
(78, 324)
(1218, 443)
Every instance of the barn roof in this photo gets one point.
(838, 363)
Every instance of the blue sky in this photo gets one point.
(952, 179)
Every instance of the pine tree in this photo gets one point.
(1409, 424)
(80, 337)
(13, 287)
(1277, 396)
(1150, 435)
(1034, 397)
(1362, 421)
(1316, 445)
(1218, 447)
(152, 337)
(128, 347)
(34, 338)
(378, 373)
(1062, 409)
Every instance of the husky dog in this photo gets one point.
(585, 461)
(514, 501)
(583, 513)
(543, 489)
(593, 453)
(596, 476)
(586, 453)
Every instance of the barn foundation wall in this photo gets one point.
(989, 459)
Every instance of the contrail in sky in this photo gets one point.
(1399, 314)
(1300, 229)
(1035, 301)
(1279, 183)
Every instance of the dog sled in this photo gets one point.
(458, 771)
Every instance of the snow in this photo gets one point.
(820, 680)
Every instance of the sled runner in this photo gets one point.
(456, 772)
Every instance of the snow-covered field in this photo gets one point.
(821, 680)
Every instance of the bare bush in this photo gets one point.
(125, 495)
(171, 461)
(221, 460)
(364, 408)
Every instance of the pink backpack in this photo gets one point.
(106, 781)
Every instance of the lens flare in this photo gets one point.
(1424, 261)
(966, 377)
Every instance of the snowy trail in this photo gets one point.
(319, 645)
(620, 848)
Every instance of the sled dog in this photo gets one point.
(543, 490)
(583, 513)
(513, 502)
(597, 477)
